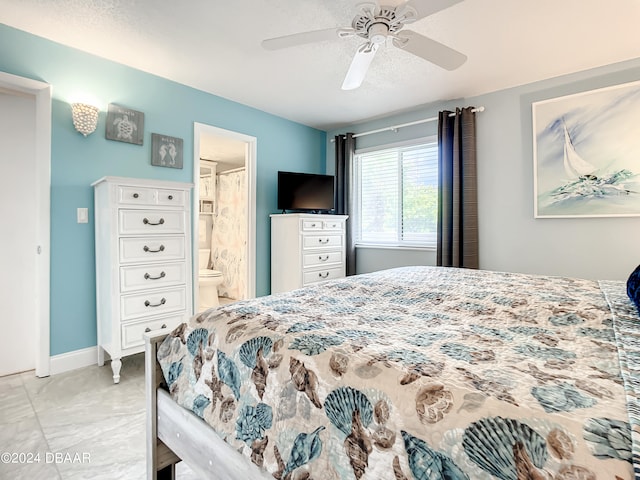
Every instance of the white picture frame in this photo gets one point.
(586, 154)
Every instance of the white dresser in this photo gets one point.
(143, 262)
(306, 248)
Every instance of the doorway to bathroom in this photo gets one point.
(224, 216)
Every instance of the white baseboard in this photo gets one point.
(73, 360)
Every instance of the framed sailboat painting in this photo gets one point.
(586, 154)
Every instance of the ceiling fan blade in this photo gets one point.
(430, 50)
(296, 39)
(359, 66)
(424, 8)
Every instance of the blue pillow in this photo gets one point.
(633, 287)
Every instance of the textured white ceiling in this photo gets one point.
(508, 43)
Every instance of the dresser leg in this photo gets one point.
(100, 356)
(116, 364)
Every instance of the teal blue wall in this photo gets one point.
(170, 109)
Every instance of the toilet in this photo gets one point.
(208, 281)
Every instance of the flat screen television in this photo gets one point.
(305, 192)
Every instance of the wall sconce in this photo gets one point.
(85, 117)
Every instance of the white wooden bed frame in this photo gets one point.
(174, 433)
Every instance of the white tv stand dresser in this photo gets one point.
(306, 248)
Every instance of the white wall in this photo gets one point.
(511, 239)
(370, 259)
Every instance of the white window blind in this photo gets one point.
(397, 196)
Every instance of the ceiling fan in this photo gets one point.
(375, 23)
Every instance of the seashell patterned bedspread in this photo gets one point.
(414, 373)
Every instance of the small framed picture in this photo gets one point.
(125, 125)
(166, 151)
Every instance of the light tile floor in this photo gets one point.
(75, 425)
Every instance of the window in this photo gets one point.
(397, 195)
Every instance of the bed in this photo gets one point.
(410, 373)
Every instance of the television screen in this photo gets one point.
(305, 192)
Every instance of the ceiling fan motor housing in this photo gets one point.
(375, 23)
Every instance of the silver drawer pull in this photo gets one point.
(149, 277)
(160, 249)
(147, 330)
(135, 195)
(325, 240)
(147, 303)
(323, 274)
(323, 259)
(147, 222)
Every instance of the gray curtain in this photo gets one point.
(457, 244)
(345, 148)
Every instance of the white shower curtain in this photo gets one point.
(229, 234)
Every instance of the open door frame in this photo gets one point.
(250, 166)
(42, 93)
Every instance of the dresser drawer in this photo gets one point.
(151, 249)
(321, 275)
(311, 225)
(316, 241)
(128, 195)
(332, 225)
(132, 332)
(136, 195)
(152, 302)
(132, 222)
(152, 276)
(171, 197)
(320, 258)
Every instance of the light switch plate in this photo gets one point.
(83, 215)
